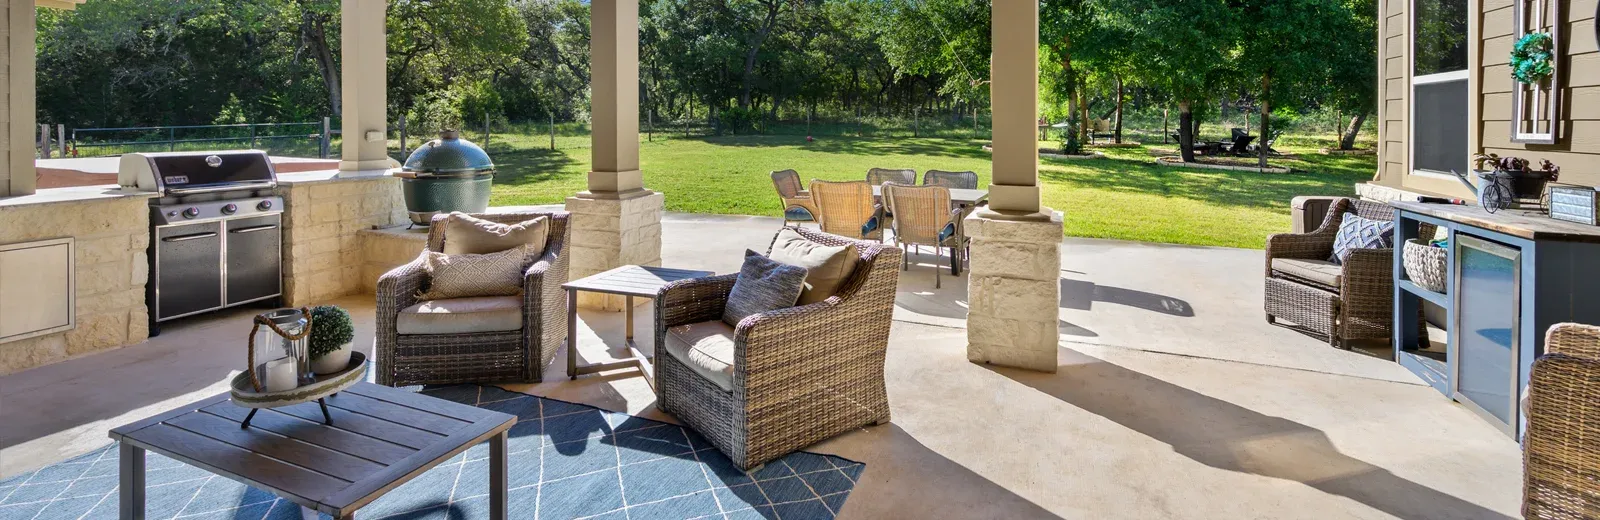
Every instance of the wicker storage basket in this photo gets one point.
(1425, 265)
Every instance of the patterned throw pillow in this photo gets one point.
(1357, 232)
(460, 276)
(763, 285)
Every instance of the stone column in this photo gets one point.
(364, 83)
(17, 176)
(616, 221)
(1014, 284)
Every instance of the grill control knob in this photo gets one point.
(230, 209)
(191, 212)
(264, 205)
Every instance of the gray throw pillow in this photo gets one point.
(763, 285)
(1357, 232)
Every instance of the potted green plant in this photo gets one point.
(331, 332)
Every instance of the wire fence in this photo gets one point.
(314, 139)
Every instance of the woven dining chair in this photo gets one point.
(1561, 447)
(925, 217)
(878, 176)
(797, 205)
(953, 180)
(847, 209)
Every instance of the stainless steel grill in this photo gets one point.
(216, 234)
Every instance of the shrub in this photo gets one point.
(330, 328)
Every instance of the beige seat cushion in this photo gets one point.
(462, 315)
(827, 267)
(707, 348)
(464, 275)
(1319, 271)
(466, 234)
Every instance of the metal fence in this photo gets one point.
(313, 139)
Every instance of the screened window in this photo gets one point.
(1439, 86)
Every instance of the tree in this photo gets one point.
(1354, 68)
(1281, 46)
(1182, 48)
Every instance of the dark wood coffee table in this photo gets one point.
(384, 437)
(630, 281)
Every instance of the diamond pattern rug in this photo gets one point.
(566, 461)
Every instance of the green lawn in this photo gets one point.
(1125, 196)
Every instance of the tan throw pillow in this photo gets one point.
(468, 235)
(460, 276)
(826, 267)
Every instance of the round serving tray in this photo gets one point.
(245, 395)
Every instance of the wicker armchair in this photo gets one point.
(799, 375)
(797, 205)
(1337, 302)
(925, 217)
(505, 356)
(878, 176)
(953, 180)
(847, 209)
(1561, 447)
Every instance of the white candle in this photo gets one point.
(280, 375)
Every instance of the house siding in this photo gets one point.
(1578, 150)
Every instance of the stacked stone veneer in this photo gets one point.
(322, 250)
(111, 238)
(610, 233)
(1014, 290)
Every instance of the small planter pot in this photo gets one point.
(333, 361)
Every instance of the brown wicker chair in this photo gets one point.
(953, 180)
(847, 209)
(878, 176)
(799, 375)
(924, 216)
(1337, 302)
(1561, 447)
(512, 356)
(797, 205)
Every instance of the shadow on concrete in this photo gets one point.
(1081, 295)
(1230, 437)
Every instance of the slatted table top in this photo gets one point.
(633, 280)
(381, 437)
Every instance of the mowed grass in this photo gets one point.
(1125, 196)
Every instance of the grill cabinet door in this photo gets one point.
(253, 258)
(188, 269)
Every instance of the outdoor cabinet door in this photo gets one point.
(254, 258)
(188, 277)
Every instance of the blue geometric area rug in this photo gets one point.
(566, 461)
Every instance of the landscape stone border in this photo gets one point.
(1047, 155)
(1177, 162)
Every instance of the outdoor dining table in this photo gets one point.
(959, 197)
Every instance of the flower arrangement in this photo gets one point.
(1533, 58)
(331, 329)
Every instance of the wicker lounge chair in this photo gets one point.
(1561, 447)
(925, 217)
(878, 176)
(1333, 301)
(797, 205)
(509, 356)
(952, 180)
(847, 209)
(793, 377)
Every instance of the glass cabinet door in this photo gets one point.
(1487, 300)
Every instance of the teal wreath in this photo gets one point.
(1532, 58)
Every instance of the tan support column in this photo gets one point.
(1014, 283)
(364, 78)
(18, 177)
(616, 221)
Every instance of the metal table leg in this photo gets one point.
(497, 477)
(572, 334)
(130, 484)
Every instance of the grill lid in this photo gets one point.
(196, 172)
(449, 155)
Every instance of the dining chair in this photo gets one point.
(924, 216)
(878, 176)
(847, 209)
(954, 180)
(797, 204)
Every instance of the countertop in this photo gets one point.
(73, 194)
(321, 176)
(1532, 225)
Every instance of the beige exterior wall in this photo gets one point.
(111, 273)
(1490, 85)
(322, 248)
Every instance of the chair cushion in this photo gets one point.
(798, 214)
(705, 347)
(459, 276)
(461, 316)
(826, 267)
(763, 285)
(1320, 271)
(1357, 232)
(466, 234)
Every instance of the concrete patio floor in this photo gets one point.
(1174, 399)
